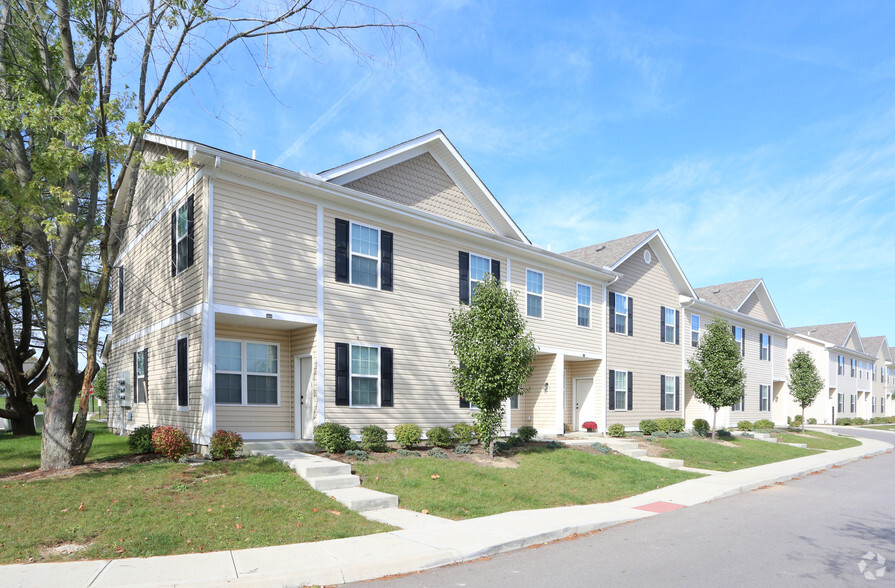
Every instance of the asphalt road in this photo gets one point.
(813, 531)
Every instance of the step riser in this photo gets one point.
(321, 471)
(371, 503)
(334, 482)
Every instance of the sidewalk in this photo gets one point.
(397, 552)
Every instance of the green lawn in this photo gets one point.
(166, 508)
(818, 440)
(882, 427)
(543, 479)
(23, 454)
(745, 453)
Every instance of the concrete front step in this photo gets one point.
(326, 483)
(632, 452)
(801, 445)
(665, 462)
(279, 444)
(363, 499)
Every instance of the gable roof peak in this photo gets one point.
(872, 345)
(836, 333)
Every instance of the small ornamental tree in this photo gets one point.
(494, 354)
(716, 374)
(804, 381)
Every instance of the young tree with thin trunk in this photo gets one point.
(494, 354)
(81, 82)
(804, 381)
(716, 374)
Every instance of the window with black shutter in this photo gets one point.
(183, 396)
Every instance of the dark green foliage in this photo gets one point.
(464, 433)
(462, 449)
(140, 439)
(804, 380)
(724, 433)
(553, 445)
(99, 384)
(617, 430)
(333, 438)
(813, 421)
(648, 426)
(763, 425)
(373, 439)
(358, 454)
(600, 447)
(744, 425)
(408, 435)
(439, 437)
(716, 374)
(701, 427)
(671, 424)
(515, 441)
(527, 432)
(858, 421)
(438, 453)
(844, 421)
(502, 447)
(494, 353)
(225, 444)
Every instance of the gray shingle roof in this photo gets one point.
(730, 295)
(608, 253)
(836, 333)
(872, 344)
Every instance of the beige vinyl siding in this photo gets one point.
(581, 369)
(854, 342)
(754, 308)
(303, 342)
(540, 406)
(644, 354)
(161, 405)
(421, 183)
(265, 250)
(260, 419)
(826, 366)
(758, 373)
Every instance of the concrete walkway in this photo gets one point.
(413, 549)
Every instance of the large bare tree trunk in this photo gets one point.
(23, 424)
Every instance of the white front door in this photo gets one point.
(582, 399)
(304, 401)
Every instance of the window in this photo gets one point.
(478, 267)
(670, 320)
(854, 363)
(841, 370)
(740, 404)
(873, 372)
(182, 237)
(140, 371)
(246, 373)
(514, 402)
(694, 330)
(364, 376)
(473, 269)
(873, 404)
(584, 305)
(183, 385)
(669, 392)
(620, 384)
(765, 395)
(364, 256)
(120, 289)
(534, 287)
(765, 346)
(854, 403)
(882, 405)
(621, 314)
(840, 402)
(740, 335)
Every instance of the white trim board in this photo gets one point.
(175, 318)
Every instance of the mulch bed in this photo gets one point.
(109, 464)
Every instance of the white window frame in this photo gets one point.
(472, 282)
(244, 373)
(352, 253)
(623, 314)
(853, 403)
(670, 325)
(528, 292)
(840, 402)
(138, 378)
(740, 405)
(669, 381)
(873, 404)
(840, 366)
(377, 377)
(587, 306)
(624, 405)
(882, 405)
(764, 402)
(694, 341)
(182, 408)
(765, 353)
(178, 238)
(742, 340)
(514, 402)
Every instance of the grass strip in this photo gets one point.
(818, 440)
(730, 454)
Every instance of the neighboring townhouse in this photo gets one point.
(879, 375)
(844, 365)
(758, 330)
(644, 343)
(265, 301)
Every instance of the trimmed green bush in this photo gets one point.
(408, 435)
(171, 442)
(439, 437)
(648, 426)
(464, 433)
(813, 421)
(723, 433)
(796, 421)
(462, 449)
(333, 438)
(140, 439)
(843, 421)
(373, 439)
(527, 432)
(553, 445)
(701, 427)
(225, 444)
(515, 440)
(763, 425)
(744, 425)
(858, 421)
(617, 430)
(878, 421)
(671, 424)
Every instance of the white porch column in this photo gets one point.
(560, 391)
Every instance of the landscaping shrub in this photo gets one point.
(796, 421)
(140, 439)
(171, 442)
(439, 437)
(679, 434)
(225, 444)
(617, 430)
(670, 424)
(878, 421)
(813, 421)
(438, 453)
(358, 454)
(858, 421)
(702, 427)
(648, 426)
(843, 421)
(553, 445)
(408, 453)
(462, 449)
(744, 425)
(527, 432)
(333, 438)
(890, 420)
(723, 433)
(763, 425)
(502, 447)
(464, 433)
(408, 435)
(600, 447)
(373, 438)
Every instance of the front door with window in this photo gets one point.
(582, 401)
(304, 401)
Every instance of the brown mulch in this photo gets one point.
(110, 464)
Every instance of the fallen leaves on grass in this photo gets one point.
(436, 476)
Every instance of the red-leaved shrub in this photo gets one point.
(172, 442)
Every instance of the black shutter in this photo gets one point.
(134, 381)
(612, 312)
(120, 289)
(342, 250)
(387, 373)
(662, 393)
(743, 344)
(190, 231)
(146, 376)
(342, 374)
(385, 254)
(630, 391)
(630, 317)
(611, 389)
(769, 347)
(464, 403)
(677, 327)
(182, 379)
(464, 277)
(495, 269)
(662, 324)
(174, 243)
(677, 393)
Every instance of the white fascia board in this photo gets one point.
(372, 163)
(172, 142)
(744, 318)
(587, 355)
(677, 274)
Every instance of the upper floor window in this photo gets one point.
(841, 366)
(584, 293)
(182, 237)
(534, 287)
(478, 267)
(854, 365)
(246, 372)
(120, 289)
(621, 314)
(765, 346)
(694, 330)
(739, 334)
(473, 269)
(363, 255)
(670, 319)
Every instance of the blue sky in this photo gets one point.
(759, 137)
